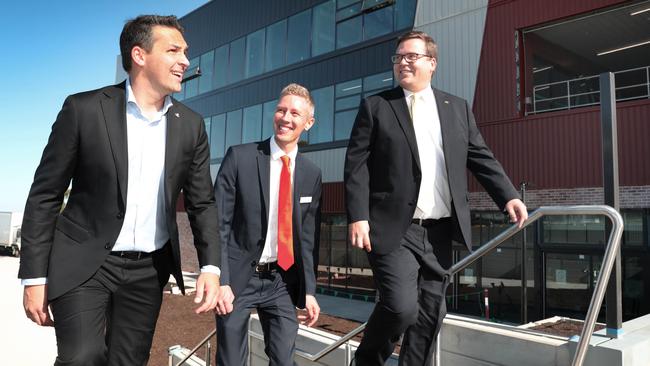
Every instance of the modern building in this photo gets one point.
(530, 70)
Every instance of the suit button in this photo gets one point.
(120, 215)
(253, 264)
(107, 246)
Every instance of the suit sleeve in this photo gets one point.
(226, 191)
(45, 197)
(356, 173)
(485, 167)
(200, 203)
(311, 237)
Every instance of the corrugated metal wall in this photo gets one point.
(551, 150)
(330, 162)
(457, 26)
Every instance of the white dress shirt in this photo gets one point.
(145, 220)
(270, 252)
(434, 198)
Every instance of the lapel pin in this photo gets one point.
(446, 102)
(178, 114)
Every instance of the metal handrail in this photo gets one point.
(611, 250)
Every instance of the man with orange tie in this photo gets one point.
(268, 199)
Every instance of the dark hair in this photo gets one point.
(137, 32)
(431, 45)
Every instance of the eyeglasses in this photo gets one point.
(409, 57)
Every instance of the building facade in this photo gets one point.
(530, 70)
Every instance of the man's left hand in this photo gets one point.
(517, 211)
(207, 290)
(313, 310)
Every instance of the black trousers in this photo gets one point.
(267, 292)
(110, 319)
(411, 282)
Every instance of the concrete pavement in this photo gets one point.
(22, 342)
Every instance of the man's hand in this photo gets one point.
(517, 211)
(313, 310)
(207, 290)
(225, 300)
(35, 304)
(359, 234)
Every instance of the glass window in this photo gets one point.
(255, 53)
(343, 3)
(217, 136)
(181, 94)
(348, 32)
(233, 128)
(378, 23)
(404, 13)
(207, 68)
(267, 118)
(349, 12)
(378, 81)
(252, 123)
(348, 88)
(299, 37)
(206, 121)
(220, 66)
(323, 28)
(348, 102)
(343, 122)
(192, 86)
(323, 128)
(237, 54)
(276, 36)
(633, 232)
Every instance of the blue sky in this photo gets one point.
(53, 49)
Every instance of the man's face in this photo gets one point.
(292, 116)
(165, 64)
(417, 75)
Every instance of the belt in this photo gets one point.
(266, 267)
(429, 222)
(132, 255)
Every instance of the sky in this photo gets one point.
(54, 49)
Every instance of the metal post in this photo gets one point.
(524, 279)
(486, 302)
(611, 192)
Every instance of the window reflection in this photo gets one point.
(299, 36)
(255, 53)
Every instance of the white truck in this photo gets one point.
(10, 233)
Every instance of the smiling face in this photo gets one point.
(417, 75)
(164, 65)
(293, 114)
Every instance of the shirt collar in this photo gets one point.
(426, 94)
(277, 152)
(130, 99)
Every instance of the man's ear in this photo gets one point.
(138, 55)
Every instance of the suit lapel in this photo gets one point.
(298, 183)
(445, 114)
(173, 139)
(398, 103)
(264, 174)
(114, 112)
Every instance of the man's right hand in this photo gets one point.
(36, 306)
(225, 300)
(359, 234)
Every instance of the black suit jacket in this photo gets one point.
(242, 193)
(88, 146)
(382, 166)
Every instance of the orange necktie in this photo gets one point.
(285, 224)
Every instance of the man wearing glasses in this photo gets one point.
(406, 195)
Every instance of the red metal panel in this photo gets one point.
(333, 198)
(563, 149)
(495, 97)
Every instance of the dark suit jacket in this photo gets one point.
(382, 166)
(242, 193)
(88, 145)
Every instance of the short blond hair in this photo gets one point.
(299, 91)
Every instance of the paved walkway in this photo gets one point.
(23, 343)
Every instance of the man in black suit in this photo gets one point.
(268, 197)
(128, 149)
(406, 194)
